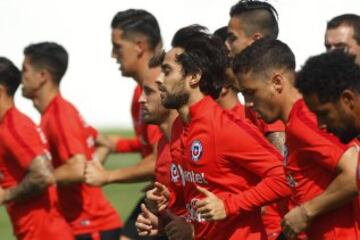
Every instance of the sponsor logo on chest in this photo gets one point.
(177, 173)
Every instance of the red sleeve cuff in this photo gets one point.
(128, 145)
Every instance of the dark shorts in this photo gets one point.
(113, 234)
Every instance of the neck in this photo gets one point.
(5, 104)
(184, 111)
(44, 97)
(288, 102)
(229, 100)
(167, 124)
(144, 71)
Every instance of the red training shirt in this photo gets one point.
(84, 207)
(38, 217)
(310, 165)
(231, 158)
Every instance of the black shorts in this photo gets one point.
(113, 234)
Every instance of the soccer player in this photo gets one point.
(333, 94)
(250, 21)
(319, 169)
(228, 98)
(71, 142)
(26, 178)
(344, 32)
(136, 39)
(225, 164)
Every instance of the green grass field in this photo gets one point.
(122, 196)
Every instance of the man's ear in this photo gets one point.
(140, 47)
(195, 79)
(348, 99)
(277, 81)
(257, 36)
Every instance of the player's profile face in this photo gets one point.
(172, 82)
(342, 37)
(333, 117)
(124, 51)
(237, 40)
(152, 110)
(259, 95)
(30, 79)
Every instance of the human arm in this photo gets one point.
(38, 177)
(341, 190)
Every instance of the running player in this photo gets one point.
(26, 178)
(320, 170)
(215, 149)
(71, 142)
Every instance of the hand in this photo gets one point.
(95, 174)
(295, 222)
(157, 199)
(147, 223)
(178, 228)
(210, 208)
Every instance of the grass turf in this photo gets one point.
(122, 196)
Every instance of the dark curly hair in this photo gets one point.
(257, 16)
(262, 55)
(328, 74)
(204, 54)
(10, 76)
(138, 21)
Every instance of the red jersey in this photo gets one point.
(265, 128)
(231, 158)
(163, 161)
(163, 174)
(238, 110)
(310, 165)
(273, 213)
(38, 217)
(146, 135)
(84, 207)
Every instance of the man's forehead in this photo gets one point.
(172, 53)
(341, 33)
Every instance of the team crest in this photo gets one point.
(196, 150)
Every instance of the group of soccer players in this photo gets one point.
(282, 166)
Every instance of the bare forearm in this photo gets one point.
(38, 178)
(277, 139)
(340, 191)
(72, 171)
(144, 171)
(102, 153)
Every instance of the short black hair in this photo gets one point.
(10, 76)
(203, 53)
(138, 21)
(262, 55)
(257, 16)
(221, 33)
(352, 20)
(48, 55)
(327, 75)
